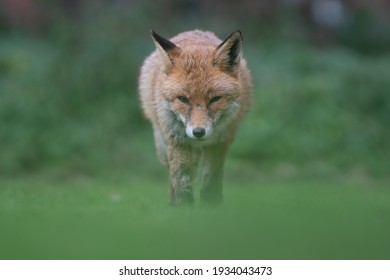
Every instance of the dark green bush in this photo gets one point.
(69, 98)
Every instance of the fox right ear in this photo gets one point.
(166, 49)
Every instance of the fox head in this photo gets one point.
(201, 83)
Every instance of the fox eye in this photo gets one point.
(215, 99)
(183, 99)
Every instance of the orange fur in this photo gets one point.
(195, 89)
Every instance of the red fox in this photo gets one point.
(195, 89)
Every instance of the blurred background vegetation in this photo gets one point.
(307, 176)
(69, 69)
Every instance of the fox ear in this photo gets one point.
(228, 53)
(167, 50)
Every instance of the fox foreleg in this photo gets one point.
(181, 175)
(212, 176)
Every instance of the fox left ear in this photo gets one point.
(228, 53)
(167, 50)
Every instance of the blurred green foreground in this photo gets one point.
(128, 219)
(307, 177)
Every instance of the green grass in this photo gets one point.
(126, 217)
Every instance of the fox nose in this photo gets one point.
(198, 132)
